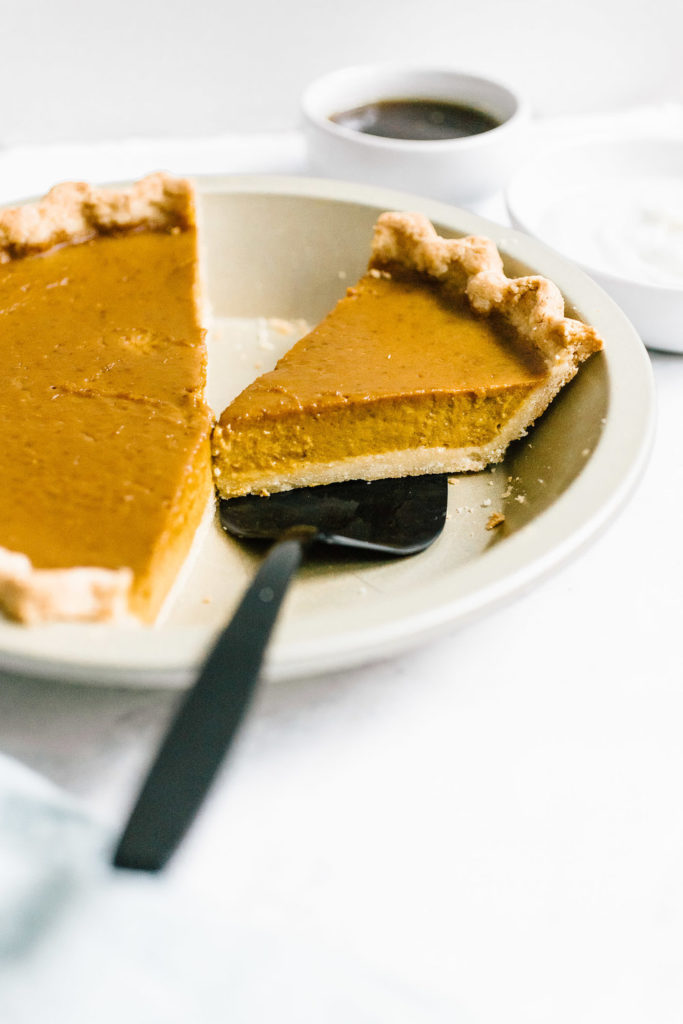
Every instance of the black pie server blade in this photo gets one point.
(380, 519)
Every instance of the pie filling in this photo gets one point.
(105, 459)
(379, 425)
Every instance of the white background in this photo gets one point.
(76, 70)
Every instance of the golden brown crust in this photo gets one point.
(75, 211)
(533, 305)
(494, 520)
(34, 596)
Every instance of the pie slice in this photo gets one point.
(433, 362)
(105, 455)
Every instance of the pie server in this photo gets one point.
(384, 518)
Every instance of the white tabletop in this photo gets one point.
(493, 819)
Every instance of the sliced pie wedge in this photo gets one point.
(105, 457)
(433, 362)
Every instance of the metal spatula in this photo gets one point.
(382, 518)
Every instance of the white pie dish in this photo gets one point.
(588, 451)
(630, 193)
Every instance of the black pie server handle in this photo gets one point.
(208, 719)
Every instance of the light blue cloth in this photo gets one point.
(83, 943)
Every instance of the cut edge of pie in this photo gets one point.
(471, 267)
(72, 213)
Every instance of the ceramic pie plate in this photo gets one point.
(279, 251)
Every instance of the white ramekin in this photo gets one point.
(456, 170)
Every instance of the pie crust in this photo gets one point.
(74, 212)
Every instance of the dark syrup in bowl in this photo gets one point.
(417, 120)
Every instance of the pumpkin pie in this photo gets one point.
(105, 456)
(433, 362)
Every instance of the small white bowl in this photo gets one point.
(459, 170)
(616, 208)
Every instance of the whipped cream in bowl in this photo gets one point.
(616, 208)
